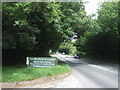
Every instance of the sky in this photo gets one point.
(91, 6)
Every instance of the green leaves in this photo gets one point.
(54, 12)
(107, 14)
(67, 48)
(100, 37)
(31, 29)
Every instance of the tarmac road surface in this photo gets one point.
(92, 74)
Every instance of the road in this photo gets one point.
(91, 73)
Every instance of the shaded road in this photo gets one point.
(92, 74)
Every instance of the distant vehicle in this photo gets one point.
(63, 53)
(77, 56)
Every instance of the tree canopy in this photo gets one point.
(32, 29)
(101, 39)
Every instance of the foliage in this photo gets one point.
(73, 20)
(32, 29)
(46, 18)
(73, 14)
(101, 38)
(67, 48)
(84, 43)
(18, 36)
(109, 36)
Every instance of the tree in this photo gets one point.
(85, 41)
(31, 29)
(46, 17)
(101, 38)
(73, 13)
(109, 13)
(18, 35)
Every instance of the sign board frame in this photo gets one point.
(41, 61)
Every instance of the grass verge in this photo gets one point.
(12, 74)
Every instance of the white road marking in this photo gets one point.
(103, 68)
(96, 66)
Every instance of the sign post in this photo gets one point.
(40, 61)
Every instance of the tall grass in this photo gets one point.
(11, 74)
